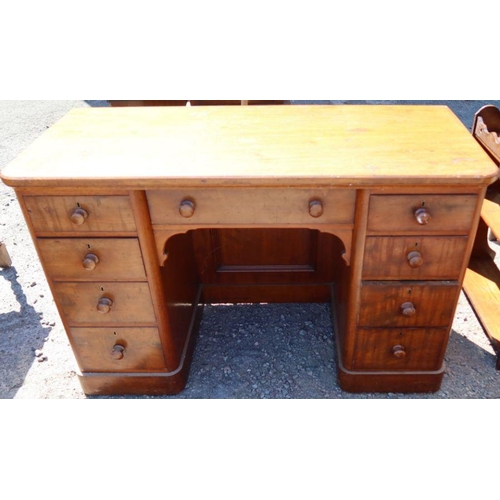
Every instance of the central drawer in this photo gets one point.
(260, 206)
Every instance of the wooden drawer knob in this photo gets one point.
(316, 209)
(415, 260)
(408, 310)
(104, 305)
(399, 352)
(79, 216)
(90, 262)
(118, 352)
(187, 209)
(423, 216)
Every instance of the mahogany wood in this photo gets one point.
(242, 256)
(382, 304)
(256, 146)
(125, 383)
(74, 259)
(104, 213)
(152, 383)
(231, 261)
(139, 349)
(254, 203)
(450, 213)
(259, 256)
(180, 284)
(348, 316)
(131, 303)
(403, 349)
(262, 207)
(273, 294)
(414, 258)
(171, 348)
(404, 382)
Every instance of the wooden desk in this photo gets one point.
(141, 215)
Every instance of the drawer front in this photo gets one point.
(83, 214)
(118, 349)
(414, 258)
(130, 303)
(251, 206)
(92, 259)
(408, 304)
(406, 349)
(390, 213)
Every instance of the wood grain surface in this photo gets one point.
(254, 145)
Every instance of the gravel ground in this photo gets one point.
(248, 351)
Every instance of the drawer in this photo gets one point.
(130, 303)
(408, 304)
(406, 349)
(435, 212)
(414, 258)
(117, 349)
(87, 259)
(84, 214)
(251, 206)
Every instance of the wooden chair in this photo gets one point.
(482, 282)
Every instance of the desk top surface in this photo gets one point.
(254, 146)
